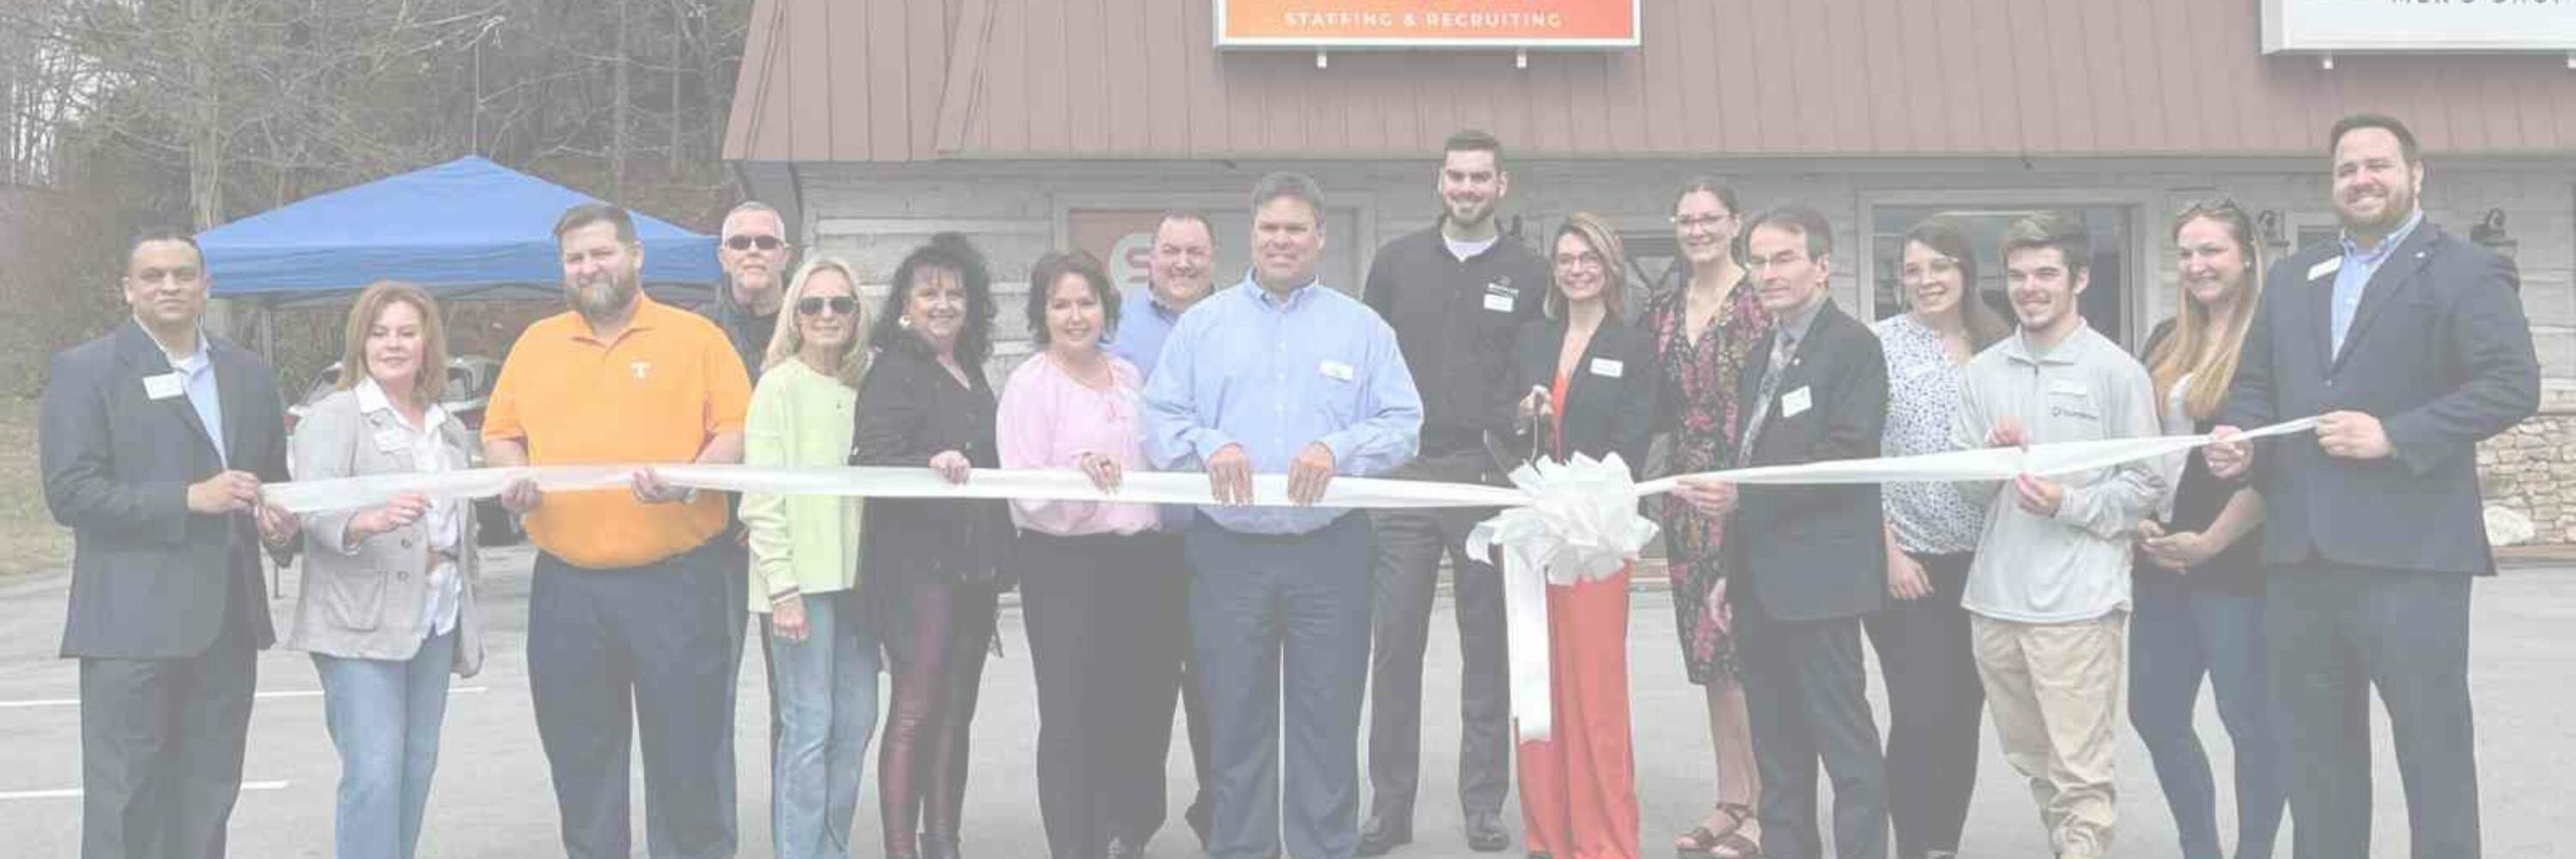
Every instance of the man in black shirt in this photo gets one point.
(1456, 294)
(752, 249)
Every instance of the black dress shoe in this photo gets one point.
(1382, 834)
(1485, 832)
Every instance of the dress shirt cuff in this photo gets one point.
(1206, 441)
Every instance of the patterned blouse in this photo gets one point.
(1923, 395)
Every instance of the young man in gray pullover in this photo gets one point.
(2048, 594)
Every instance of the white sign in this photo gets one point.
(2418, 26)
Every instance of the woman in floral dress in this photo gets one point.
(1703, 333)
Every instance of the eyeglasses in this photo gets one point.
(840, 304)
(744, 243)
(1690, 221)
(1586, 259)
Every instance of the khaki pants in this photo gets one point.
(2055, 691)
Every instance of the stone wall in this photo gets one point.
(2531, 470)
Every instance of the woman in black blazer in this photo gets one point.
(932, 567)
(1592, 381)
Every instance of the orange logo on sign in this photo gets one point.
(1495, 23)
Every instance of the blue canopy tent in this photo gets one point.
(466, 227)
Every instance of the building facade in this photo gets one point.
(1033, 125)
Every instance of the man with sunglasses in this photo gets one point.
(752, 249)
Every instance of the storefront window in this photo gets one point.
(2106, 302)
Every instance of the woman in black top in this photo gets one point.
(931, 567)
(2198, 595)
(1591, 381)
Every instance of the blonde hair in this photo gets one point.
(788, 340)
(430, 380)
(1614, 263)
(2193, 331)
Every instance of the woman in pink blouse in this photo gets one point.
(1084, 566)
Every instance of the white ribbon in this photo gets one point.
(1561, 523)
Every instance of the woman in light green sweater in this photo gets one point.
(805, 564)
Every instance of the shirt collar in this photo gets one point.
(2065, 352)
(2373, 255)
(1795, 327)
(647, 316)
(372, 398)
(1440, 233)
(188, 363)
(1295, 298)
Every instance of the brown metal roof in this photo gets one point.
(911, 80)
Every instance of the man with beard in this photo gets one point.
(752, 249)
(626, 609)
(2048, 594)
(1456, 293)
(1177, 277)
(2412, 347)
(154, 442)
(1282, 375)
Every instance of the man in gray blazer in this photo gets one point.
(154, 441)
(2412, 346)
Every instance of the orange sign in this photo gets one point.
(1426, 23)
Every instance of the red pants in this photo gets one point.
(1579, 786)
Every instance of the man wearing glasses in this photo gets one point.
(754, 253)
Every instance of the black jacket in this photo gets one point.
(1814, 552)
(909, 410)
(1455, 321)
(1609, 395)
(151, 580)
(2439, 351)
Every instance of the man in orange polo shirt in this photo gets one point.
(627, 607)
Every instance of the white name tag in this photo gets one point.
(1336, 370)
(2066, 386)
(1498, 303)
(163, 386)
(390, 440)
(2330, 266)
(1608, 367)
(1795, 403)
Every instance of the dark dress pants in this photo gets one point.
(1284, 616)
(2336, 631)
(1410, 544)
(1935, 705)
(1088, 604)
(1805, 691)
(162, 743)
(615, 654)
(1168, 618)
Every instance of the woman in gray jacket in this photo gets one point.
(387, 601)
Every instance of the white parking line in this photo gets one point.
(289, 693)
(74, 792)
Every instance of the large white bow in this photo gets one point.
(1580, 523)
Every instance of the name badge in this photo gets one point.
(1498, 302)
(1608, 367)
(2072, 387)
(390, 440)
(2330, 266)
(163, 386)
(1336, 371)
(1795, 403)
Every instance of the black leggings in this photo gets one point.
(942, 632)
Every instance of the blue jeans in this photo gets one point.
(2178, 634)
(826, 692)
(384, 717)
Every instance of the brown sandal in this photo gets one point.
(1700, 843)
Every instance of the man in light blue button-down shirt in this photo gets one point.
(1282, 374)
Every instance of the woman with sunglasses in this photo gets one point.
(1591, 391)
(1704, 333)
(1925, 645)
(1087, 590)
(2197, 585)
(805, 565)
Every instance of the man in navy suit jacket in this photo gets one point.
(154, 442)
(2412, 346)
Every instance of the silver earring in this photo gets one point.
(904, 321)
